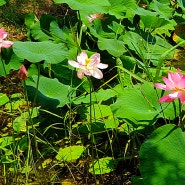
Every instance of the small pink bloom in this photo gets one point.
(175, 84)
(88, 66)
(23, 73)
(4, 43)
(95, 16)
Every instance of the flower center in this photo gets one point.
(87, 60)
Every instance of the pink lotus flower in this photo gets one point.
(175, 84)
(23, 73)
(4, 43)
(88, 66)
(96, 16)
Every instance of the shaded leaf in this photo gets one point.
(162, 157)
(136, 180)
(51, 93)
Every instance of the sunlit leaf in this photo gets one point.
(71, 153)
(153, 21)
(15, 105)
(3, 99)
(90, 6)
(2, 2)
(119, 8)
(46, 163)
(41, 51)
(98, 112)
(16, 95)
(101, 95)
(111, 123)
(98, 119)
(158, 7)
(19, 124)
(26, 169)
(5, 141)
(141, 107)
(147, 47)
(113, 46)
(103, 165)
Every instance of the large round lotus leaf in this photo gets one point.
(113, 46)
(41, 51)
(51, 93)
(139, 105)
(91, 6)
(162, 160)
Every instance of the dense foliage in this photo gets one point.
(106, 112)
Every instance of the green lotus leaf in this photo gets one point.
(162, 157)
(113, 46)
(51, 93)
(139, 105)
(90, 6)
(41, 51)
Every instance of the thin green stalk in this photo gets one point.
(30, 112)
(93, 141)
(91, 136)
(4, 173)
(120, 71)
(74, 37)
(29, 154)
